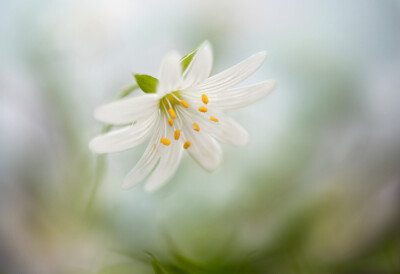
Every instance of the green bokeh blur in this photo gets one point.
(317, 190)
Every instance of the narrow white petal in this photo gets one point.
(124, 138)
(167, 166)
(231, 132)
(203, 149)
(226, 129)
(126, 111)
(207, 152)
(241, 97)
(147, 162)
(200, 67)
(170, 73)
(233, 75)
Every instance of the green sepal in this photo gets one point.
(185, 61)
(146, 83)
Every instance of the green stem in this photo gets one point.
(101, 159)
(128, 90)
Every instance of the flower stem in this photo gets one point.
(100, 163)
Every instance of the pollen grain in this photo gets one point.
(196, 127)
(203, 109)
(204, 98)
(177, 134)
(184, 104)
(213, 119)
(186, 145)
(165, 141)
(172, 113)
(170, 122)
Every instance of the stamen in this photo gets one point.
(170, 122)
(186, 145)
(196, 127)
(172, 113)
(184, 104)
(203, 109)
(173, 95)
(204, 98)
(213, 119)
(165, 141)
(177, 134)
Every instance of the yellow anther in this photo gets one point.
(204, 98)
(203, 109)
(177, 134)
(170, 122)
(184, 104)
(165, 141)
(172, 113)
(186, 145)
(196, 127)
(213, 119)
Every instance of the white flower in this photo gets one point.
(188, 112)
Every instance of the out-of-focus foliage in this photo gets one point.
(317, 190)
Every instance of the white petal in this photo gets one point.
(203, 149)
(147, 162)
(170, 73)
(233, 75)
(124, 138)
(167, 166)
(226, 129)
(230, 131)
(241, 97)
(200, 67)
(126, 111)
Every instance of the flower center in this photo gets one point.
(169, 104)
(170, 100)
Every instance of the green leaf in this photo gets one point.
(146, 83)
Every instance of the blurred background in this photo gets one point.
(317, 190)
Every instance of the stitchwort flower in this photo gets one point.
(185, 109)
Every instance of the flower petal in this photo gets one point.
(233, 75)
(170, 73)
(203, 149)
(167, 166)
(225, 128)
(124, 138)
(147, 162)
(126, 111)
(200, 67)
(241, 97)
(229, 131)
